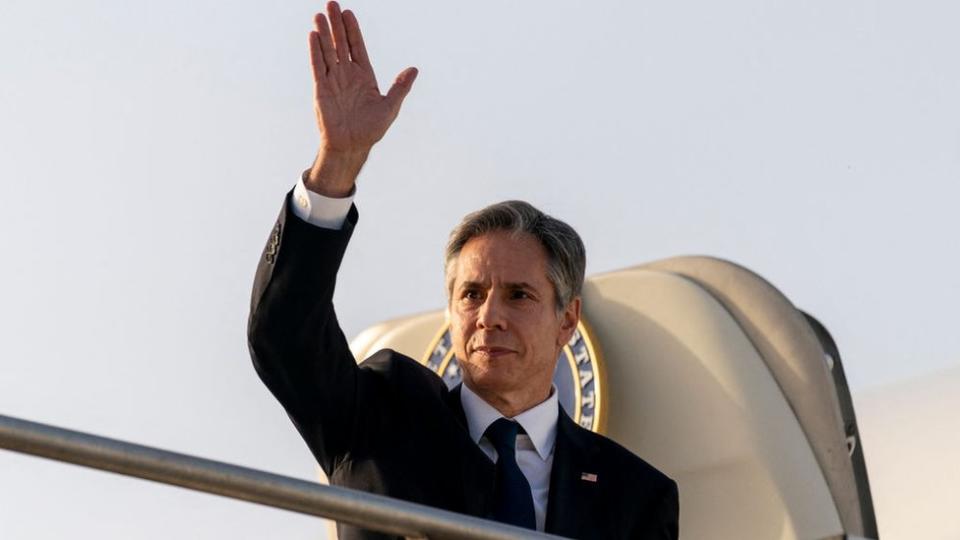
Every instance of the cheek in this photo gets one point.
(544, 334)
(457, 340)
(459, 331)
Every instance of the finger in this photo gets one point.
(326, 44)
(316, 58)
(358, 50)
(339, 33)
(401, 87)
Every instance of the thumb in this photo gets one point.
(401, 87)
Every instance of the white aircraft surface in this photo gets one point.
(911, 434)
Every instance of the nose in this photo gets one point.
(491, 314)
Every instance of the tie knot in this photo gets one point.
(503, 435)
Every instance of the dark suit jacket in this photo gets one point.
(391, 426)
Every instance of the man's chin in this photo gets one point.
(481, 373)
(492, 383)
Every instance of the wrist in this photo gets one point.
(334, 172)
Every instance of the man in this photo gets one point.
(497, 446)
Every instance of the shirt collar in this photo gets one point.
(540, 422)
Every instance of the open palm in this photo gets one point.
(352, 114)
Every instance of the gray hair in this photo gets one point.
(566, 256)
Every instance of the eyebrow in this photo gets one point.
(519, 285)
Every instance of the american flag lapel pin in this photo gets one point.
(588, 477)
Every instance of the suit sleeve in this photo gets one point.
(295, 341)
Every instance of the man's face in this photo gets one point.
(503, 319)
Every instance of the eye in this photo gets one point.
(471, 294)
(520, 294)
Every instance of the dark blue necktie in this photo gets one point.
(513, 502)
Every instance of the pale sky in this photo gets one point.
(145, 148)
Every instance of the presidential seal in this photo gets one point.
(579, 376)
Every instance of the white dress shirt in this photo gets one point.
(535, 447)
(319, 210)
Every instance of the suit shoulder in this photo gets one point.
(625, 464)
(400, 371)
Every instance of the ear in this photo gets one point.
(568, 321)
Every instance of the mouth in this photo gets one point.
(492, 351)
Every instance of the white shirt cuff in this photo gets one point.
(320, 210)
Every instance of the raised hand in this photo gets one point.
(352, 114)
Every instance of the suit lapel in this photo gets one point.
(571, 504)
(476, 469)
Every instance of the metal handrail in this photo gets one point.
(350, 506)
